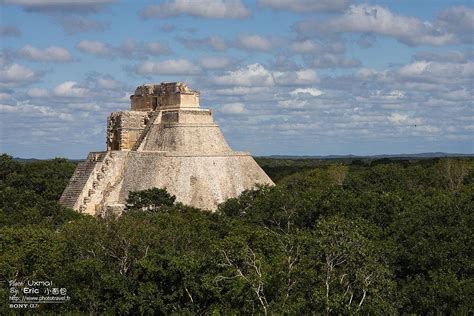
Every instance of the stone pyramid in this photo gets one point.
(165, 141)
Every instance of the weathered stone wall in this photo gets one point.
(198, 116)
(201, 180)
(180, 137)
(178, 100)
(151, 97)
(124, 128)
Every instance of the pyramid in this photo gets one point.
(167, 141)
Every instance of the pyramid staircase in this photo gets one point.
(142, 136)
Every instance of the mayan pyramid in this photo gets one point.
(167, 141)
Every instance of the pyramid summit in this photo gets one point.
(167, 141)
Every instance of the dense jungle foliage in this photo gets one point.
(332, 237)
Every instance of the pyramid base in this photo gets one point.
(199, 180)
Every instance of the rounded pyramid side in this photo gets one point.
(197, 180)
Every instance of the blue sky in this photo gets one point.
(296, 77)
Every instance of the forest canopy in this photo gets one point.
(355, 236)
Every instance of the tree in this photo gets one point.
(352, 268)
(453, 172)
(151, 200)
(338, 173)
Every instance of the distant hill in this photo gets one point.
(395, 156)
(34, 159)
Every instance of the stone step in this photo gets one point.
(79, 179)
(143, 134)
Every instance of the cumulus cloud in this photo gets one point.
(78, 24)
(60, 5)
(12, 75)
(131, 49)
(214, 62)
(450, 56)
(51, 53)
(336, 61)
(305, 47)
(70, 89)
(216, 9)
(128, 48)
(311, 91)
(254, 42)
(9, 31)
(438, 72)
(298, 77)
(457, 19)
(38, 93)
(215, 43)
(403, 119)
(156, 48)
(375, 19)
(233, 108)
(251, 75)
(255, 75)
(96, 48)
(26, 108)
(302, 6)
(167, 67)
(239, 91)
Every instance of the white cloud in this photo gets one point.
(457, 19)
(293, 104)
(95, 48)
(38, 93)
(5, 96)
(25, 108)
(70, 89)
(403, 119)
(305, 47)
(216, 9)
(233, 108)
(60, 5)
(156, 48)
(73, 24)
(414, 69)
(214, 62)
(450, 56)
(254, 42)
(367, 18)
(255, 75)
(240, 91)
(251, 75)
(215, 43)
(13, 74)
(167, 67)
(299, 77)
(52, 53)
(311, 91)
(336, 61)
(438, 72)
(302, 6)
(129, 48)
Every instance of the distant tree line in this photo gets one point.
(332, 237)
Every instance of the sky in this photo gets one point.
(288, 77)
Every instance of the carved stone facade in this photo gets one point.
(124, 128)
(165, 96)
(165, 141)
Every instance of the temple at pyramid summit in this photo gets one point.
(166, 141)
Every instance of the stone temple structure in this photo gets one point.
(165, 141)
